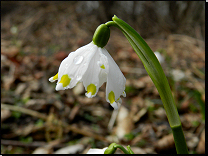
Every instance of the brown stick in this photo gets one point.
(24, 110)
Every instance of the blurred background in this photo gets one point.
(37, 36)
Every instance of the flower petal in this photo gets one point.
(115, 81)
(91, 76)
(96, 151)
(74, 66)
(103, 63)
(53, 78)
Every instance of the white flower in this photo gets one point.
(96, 151)
(93, 66)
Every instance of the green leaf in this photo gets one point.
(153, 68)
(158, 77)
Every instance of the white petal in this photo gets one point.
(75, 65)
(102, 77)
(124, 94)
(119, 100)
(91, 76)
(51, 79)
(115, 80)
(59, 86)
(114, 105)
(104, 71)
(96, 151)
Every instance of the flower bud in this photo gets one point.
(101, 35)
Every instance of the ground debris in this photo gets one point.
(165, 143)
(36, 118)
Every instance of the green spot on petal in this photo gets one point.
(91, 88)
(55, 77)
(65, 80)
(111, 97)
(103, 67)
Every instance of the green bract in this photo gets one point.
(101, 35)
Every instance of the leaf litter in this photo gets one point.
(67, 121)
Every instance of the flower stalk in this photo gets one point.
(158, 77)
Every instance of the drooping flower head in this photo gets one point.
(92, 65)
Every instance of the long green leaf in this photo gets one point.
(153, 68)
(158, 77)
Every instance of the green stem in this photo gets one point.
(111, 23)
(158, 77)
(180, 142)
(122, 148)
(129, 149)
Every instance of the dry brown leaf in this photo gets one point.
(167, 142)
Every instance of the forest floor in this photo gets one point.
(37, 119)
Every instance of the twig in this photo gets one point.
(24, 110)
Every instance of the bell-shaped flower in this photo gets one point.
(92, 65)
